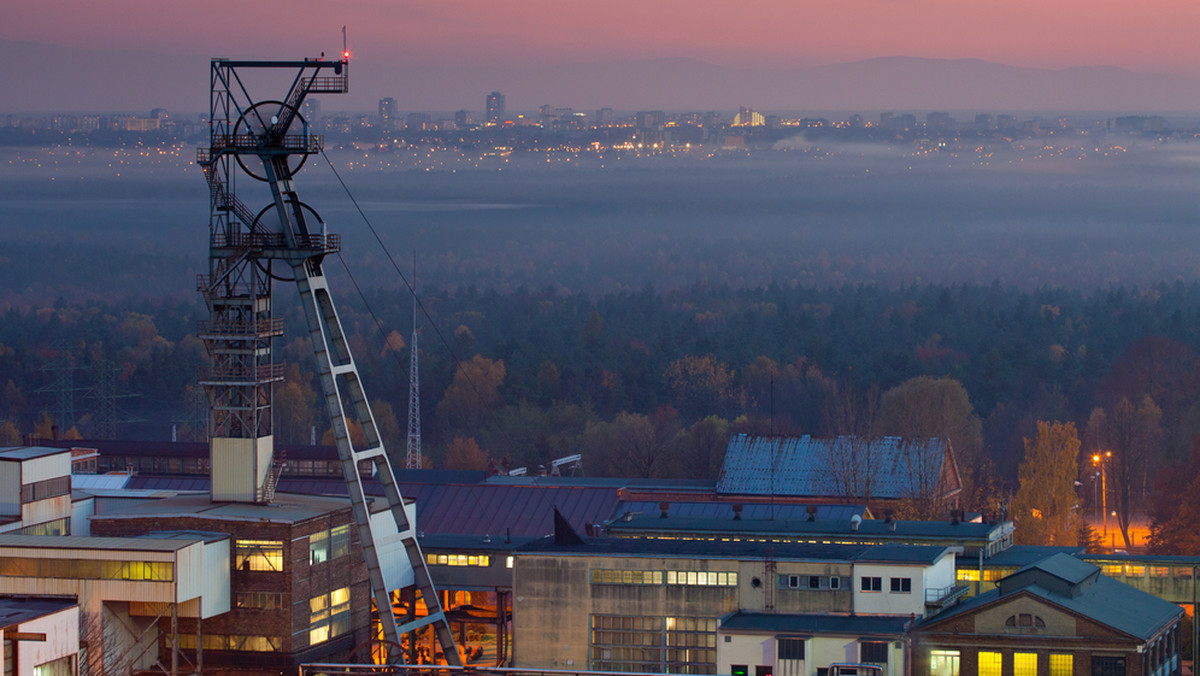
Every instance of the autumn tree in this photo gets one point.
(702, 449)
(632, 445)
(923, 408)
(1045, 508)
(296, 408)
(1132, 433)
(852, 417)
(464, 453)
(1174, 508)
(473, 395)
(702, 386)
(10, 435)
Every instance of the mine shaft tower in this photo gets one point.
(267, 142)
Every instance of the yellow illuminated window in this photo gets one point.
(264, 555)
(1135, 571)
(989, 663)
(318, 547)
(1061, 665)
(329, 615)
(943, 662)
(1025, 664)
(1111, 570)
(968, 575)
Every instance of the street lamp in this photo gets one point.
(1099, 460)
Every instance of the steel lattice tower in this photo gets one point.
(269, 141)
(412, 459)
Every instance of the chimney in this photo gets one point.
(664, 507)
(812, 512)
(855, 522)
(737, 512)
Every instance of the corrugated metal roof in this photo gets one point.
(804, 466)
(750, 512)
(135, 544)
(105, 482)
(27, 452)
(17, 609)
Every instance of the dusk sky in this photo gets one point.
(136, 53)
(1151, 35)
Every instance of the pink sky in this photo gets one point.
(1153, 35)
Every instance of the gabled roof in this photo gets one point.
(804, 466)
(1098, 598)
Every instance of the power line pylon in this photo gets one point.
(269, 141)
(63, 366)
(412, 459)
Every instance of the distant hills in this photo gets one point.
(42, 77)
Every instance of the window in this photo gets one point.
(232, 642)
(739, 670)
(339, 541)
(1025, 664)
(329, 615)
(258, 555)
(990, 663)
(873, 652)
(44, 490)
(872, 584)
(258, 600)
(63, 666)
(1024, 623)
(1109, 666)
(814, 582)
(835, 582)
(318, 547)
(902, 585)
(693, 578)
(1111, 569)
(943, 663)
(1160, 571)
(1062, 665)
(791, 648)
(677, 645)
(1135, 571)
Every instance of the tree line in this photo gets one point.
(648, 383)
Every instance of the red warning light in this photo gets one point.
(346, 54)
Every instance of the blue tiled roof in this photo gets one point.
(804, 466)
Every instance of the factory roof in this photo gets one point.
(887, 468)
(15, 610)
(19, 453)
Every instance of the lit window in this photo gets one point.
(1025, 664)
(259, 555)
(339, 541)
(329, 615)
(1061, 665)
(943, 662)
(1159, 571)
(508, 563)
(318, 547)
(989, 663)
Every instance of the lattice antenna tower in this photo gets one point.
(412, 459)
(269, 141)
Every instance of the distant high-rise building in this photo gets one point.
(417, 121)
(748, 118)
(1006, 121)
(463, 119)
(604, 116)
(495, 108)
(388, 113)
(984, 121)
(938, 120)
(650, 119)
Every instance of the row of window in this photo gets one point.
(329, 544)
(87, 569)
(260, 644)
(481, 560)
(1108, 569)
(897, 585)
(46, 489)
(831, 582)
(691, 578)
(946, 663)
(678, 645)
(53, 528)
(329, 615)
(870, 652)
(258, 600)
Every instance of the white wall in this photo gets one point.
(46, 467)
(10, 488)
(62, 640)
(885, 601)
(819, 652)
